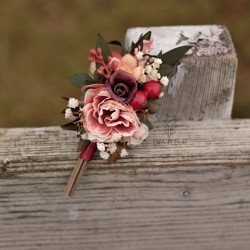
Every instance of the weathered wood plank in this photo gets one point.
(53, 149)
(163, 196)
(203, 87)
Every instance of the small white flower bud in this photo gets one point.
(143, 78)
(154, 73)
(112, 147)
(157, 61)
(100, 146)
(124, 152)
(139, 55)
(158, 75)
(104, 155)
(161, 95)
(148, 69)
(84, 136)
(73, 103)
(68, 113)
(164, 80)
(116, 137)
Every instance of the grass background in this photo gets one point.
(43, 42)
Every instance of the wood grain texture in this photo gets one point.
(203, 87)
(189, 193)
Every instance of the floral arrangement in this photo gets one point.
(118, 96)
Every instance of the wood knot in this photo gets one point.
(186, 193)
(6, 162)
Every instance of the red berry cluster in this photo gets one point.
(151, 90)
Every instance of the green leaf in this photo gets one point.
(69, 126)
(123, 50)
(97, 77)
(152, 106)
(65, 98)
(173, 56)
(115, 42)
(63, 111)
(149, 124)
(83, 93)
(146, 36)
(82, 144)
(80, 79)
(101, 43)
(160, 54)
(165, 70)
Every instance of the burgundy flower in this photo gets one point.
(121, 86)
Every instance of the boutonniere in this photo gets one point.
(118, 96)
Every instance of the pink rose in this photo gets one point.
(107, 120)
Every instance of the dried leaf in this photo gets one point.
(116, 155)
(146, 36)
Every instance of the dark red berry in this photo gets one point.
(138, 100)
(152, 89)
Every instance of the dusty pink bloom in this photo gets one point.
(116, 54)
(105, 118)
(114, 63)
(147, 46)
(92, 86)
(141, 134)
(127, 63)
(95, 55)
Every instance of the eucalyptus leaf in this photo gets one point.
(152, 106)
(80, 79)
(173, 56)
(96, 76)
(165, 70)
(101, 43)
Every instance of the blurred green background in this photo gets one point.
(43, 42)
